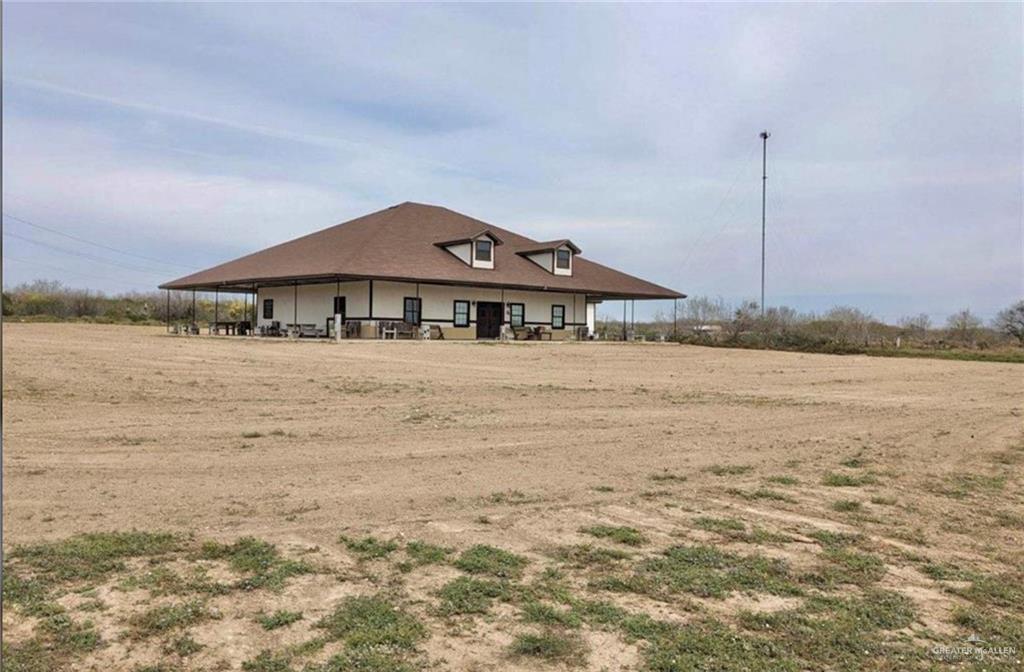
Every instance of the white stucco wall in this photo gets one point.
(316, 303)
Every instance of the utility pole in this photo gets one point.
(764, 186)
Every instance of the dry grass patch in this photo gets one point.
(550, 646)
(369, 548)
(728, 469)
(842, 480)
(466, 595)
(484, 559)
(629, 536)
(703, 571)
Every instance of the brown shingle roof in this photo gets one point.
(549, 245)
(398, 243)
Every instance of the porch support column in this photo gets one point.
(295, 309)
(194, 311)
(370, 310)
(216, 309)
(337, 315)
(675, 317)
(624, 302)
(168, 315)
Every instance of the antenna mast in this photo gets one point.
(764, 185)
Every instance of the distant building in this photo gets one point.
(423, 266)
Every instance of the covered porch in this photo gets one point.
(344, 307)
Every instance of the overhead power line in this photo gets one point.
(704, 226)
(84, 255)
(94, 243)
(64, 271)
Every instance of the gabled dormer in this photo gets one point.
(554, 256)
(476, 251)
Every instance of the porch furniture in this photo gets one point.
(230, 327)
(435, 333)
(396, 330)
(521, 333)
(541, 333)
(304, 330)
(353, 329)
(272, 329)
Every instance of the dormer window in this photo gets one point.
(554, 256)
(476, 251)
(484, 250)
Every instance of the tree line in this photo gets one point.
(711, 321)
(52, 300)
(700, 319)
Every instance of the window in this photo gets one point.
(563, 258)
(462, 313)
(411, 314)
(558, 317)
(339, 306)
(268, 309)
(516, 314)
(483, 250)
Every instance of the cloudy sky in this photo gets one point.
(190, 134)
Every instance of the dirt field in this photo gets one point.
(663, 507)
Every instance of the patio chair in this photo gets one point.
(436, 333)
(406, 330)
(522, 333)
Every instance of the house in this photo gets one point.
(423, 265)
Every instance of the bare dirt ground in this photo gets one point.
(915, 463)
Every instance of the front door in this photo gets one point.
(488, 319)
